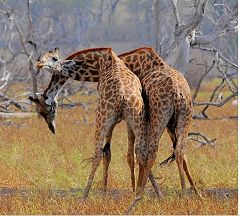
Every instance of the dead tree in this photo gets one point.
(186, 38)
(23, 40)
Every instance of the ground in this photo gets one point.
(34, 159)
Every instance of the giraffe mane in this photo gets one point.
(138, 49)
(71, 56)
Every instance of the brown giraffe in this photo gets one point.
(118, 99)
(133, 60)
(170, 106)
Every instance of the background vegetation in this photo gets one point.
(44, 174)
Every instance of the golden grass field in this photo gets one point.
(33, 158)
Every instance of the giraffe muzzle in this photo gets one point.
(52, 126)
(39, 66)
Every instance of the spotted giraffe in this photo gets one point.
(170, 106)
(118, 99)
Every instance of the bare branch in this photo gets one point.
(31, 68)
(217, 104)
(207, 70)
(216, 52)
(6, 101)
(223, 5)
(5, 75)
(175, 12)
(218, 88)
(232, 86)
(184, 34)
(218, 30)
(201, 139)
(186, 29)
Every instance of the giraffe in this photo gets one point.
(134, 61)
(100, 64)
(170, 106)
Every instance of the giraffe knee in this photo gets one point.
(141, 157)
(179, 154)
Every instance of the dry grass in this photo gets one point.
(31, 157)
(43, 204)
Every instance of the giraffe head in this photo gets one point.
(49, 61)
(47, 109)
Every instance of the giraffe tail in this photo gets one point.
(169, 160)
(172, 157)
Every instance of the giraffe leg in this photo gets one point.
(107, 157)
(179, 159)
(95, 163)
(146, 156)
(144, 173)
(130, 154)
(130, 158)
(138, 191)
(177, 145)
(181, 134)
(189, 176)
(106, 162)
(155, 186)
(102, 129)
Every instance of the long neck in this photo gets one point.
(142, 62)
(55, 86)
(84, 67)
(87, 66)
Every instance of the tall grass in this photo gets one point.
(31, 157)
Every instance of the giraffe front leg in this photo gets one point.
(189, 176)
(102, 129)
(155, 186)
(99, 136)
(106, 162)
(95, 163)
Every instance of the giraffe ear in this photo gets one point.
(56, 49)
(49, 101)
(35, 100)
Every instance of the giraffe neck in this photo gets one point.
(85, 66)
(142, 61)
(54, 87)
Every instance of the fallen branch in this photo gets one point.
(201, 139)
(17, 115)
(6, 102)
(217, 104)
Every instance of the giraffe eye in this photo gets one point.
(55, 59)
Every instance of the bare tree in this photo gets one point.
(177, 29)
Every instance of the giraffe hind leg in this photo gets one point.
(182, 133)
(179, 160)
(130, 159)
(130, 155)
(182, 162)
(189, 176)
(172, 134)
